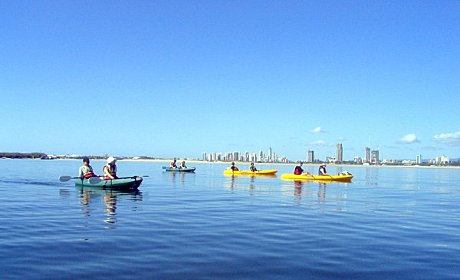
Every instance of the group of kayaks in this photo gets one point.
(135, 181)
(124, 183)
(341, 177)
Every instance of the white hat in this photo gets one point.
(111, 159)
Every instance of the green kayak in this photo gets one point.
(121, 183)
(171, 169)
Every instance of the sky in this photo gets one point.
(180, 78)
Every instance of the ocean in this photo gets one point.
(388, 223)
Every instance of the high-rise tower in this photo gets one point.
(339, 157)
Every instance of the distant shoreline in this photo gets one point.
(167, 161)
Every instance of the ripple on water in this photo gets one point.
(387, 224)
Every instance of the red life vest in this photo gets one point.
(298, 170)
(89, 175)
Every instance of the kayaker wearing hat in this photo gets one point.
(322, 169)
(298, 169)
(110, 169)
(86, 171)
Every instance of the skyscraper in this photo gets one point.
(311, 156)
(236, 156)
(368, 155)
(375, 157)
(339, 157)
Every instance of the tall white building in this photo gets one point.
(367, 156)
(236, 156)
(339, 155)
(311, 156)
(418, 159)
(375, 157)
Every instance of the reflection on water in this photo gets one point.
(213, 226)
(321, 192)
(109, 199)
(371, 176)
(324, 194)
(230, 182)
(179, 177)
(110, 202)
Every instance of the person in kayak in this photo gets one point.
(252, 167)
(182, 164)
(173, 164)
(86, 170)
(298, 169)
(110, 169)
(322, 169)
(233, 167)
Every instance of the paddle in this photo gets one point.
(67, 178)
(96, 180)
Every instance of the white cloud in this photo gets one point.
(317, 130)
(450, 139)
(409, 139)
(431, 148)
(319, 143)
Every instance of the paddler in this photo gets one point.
(86, 171)
(233, 167)
(252, 167)
(173, 164)
(322, 169)
(110, 169)
(298, 169)
(182, 165)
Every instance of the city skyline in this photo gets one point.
(269, 157)
(369, 157)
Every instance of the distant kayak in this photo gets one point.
(122, 183)
(250, 173)
(342, 177)
(171, 169)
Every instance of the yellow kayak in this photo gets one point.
(250, 173)
(342, 177)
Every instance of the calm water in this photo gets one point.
(389, 223)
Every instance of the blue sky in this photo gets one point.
(179, 78)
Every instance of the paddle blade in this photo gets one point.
(94, 180)
(65, 178)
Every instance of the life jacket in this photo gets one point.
(298, 170)
(173, 164)
(89, 175)
(323, 169)
(88, 172)
(234, 168)
(112, 169)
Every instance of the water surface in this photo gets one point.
(389, 223)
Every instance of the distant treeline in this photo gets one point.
(22, 155)
(45, 156)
